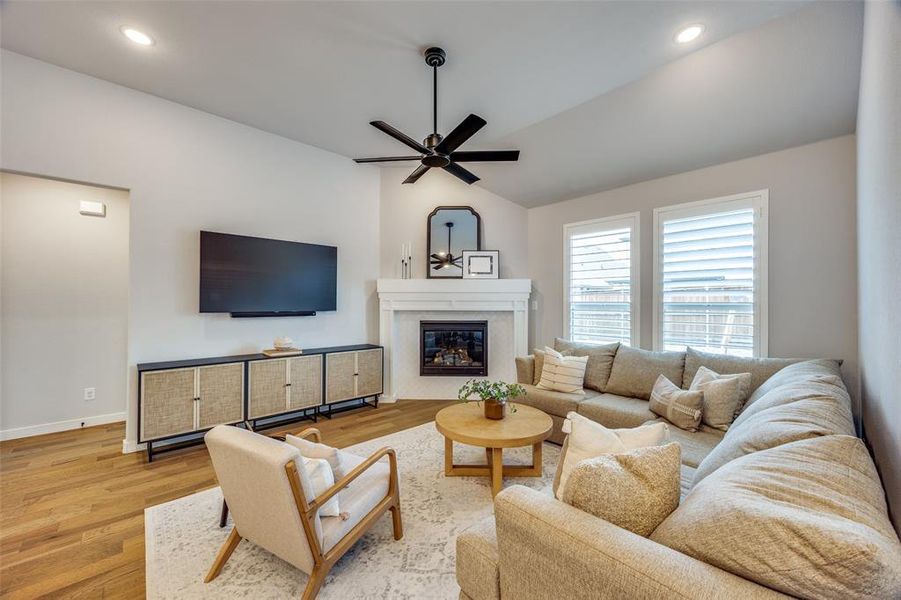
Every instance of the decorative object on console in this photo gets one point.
(481, 264)
(283, 346)
(450, 230)
(587, 439)
(495, 395)
(435, 150)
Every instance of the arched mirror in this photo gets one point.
(451, 230)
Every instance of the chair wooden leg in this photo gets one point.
(224, 553)
(397, 521)
(223, 517)
(317, 576)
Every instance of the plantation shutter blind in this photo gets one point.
(601, 277)
(709, 290)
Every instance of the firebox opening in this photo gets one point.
(453, 348)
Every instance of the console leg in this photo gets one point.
(150, 452)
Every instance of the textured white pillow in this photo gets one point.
(317, 450)
(321, 478)
(588, 439)
(724, 395)
(563, 373)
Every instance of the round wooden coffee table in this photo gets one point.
(466, 424)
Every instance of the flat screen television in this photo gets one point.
(258, 277)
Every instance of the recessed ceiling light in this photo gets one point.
(138, 37)
(689, 34)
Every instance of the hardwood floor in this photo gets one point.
(72, 505)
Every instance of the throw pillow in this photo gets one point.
(635, 370)
(635, 490)
(321, 479)
(600, 360)
(562, 373)
(680, 407)
(538, 357)
(588, 439)
(807, 518)
(316, 450)
(723, 395)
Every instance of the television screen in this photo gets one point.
(242, 274)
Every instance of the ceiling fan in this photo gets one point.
(446, 260)
(438, 151)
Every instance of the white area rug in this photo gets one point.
(183, 536)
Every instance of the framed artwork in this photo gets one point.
(481, 264)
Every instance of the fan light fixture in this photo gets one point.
(437, 151)
(138, 37)
(690, 33)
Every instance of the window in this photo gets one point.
(601, 280)
(710, 261)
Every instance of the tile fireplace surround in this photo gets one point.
(504, 303)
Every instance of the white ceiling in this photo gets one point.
(594, 94)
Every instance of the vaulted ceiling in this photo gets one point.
(596, 95)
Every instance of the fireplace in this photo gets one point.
(453, 348)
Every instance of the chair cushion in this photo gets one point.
(551, 402)
(562, 373)
(615, 411)
(680, 407)
(357, 499)
(786, 414)
(635, 371)
(760, 369)
(695, 444)
(321, 479)
(600, 360)
(316, 450)
(807, 518)
(635, 489)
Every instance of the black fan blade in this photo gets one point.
(484, 156)
(462, 132)
(387, 159)
(400, 137)
(436, 256)
(458, 171)
(415, 175)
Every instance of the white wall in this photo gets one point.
(879, 232)
(405, 210)
(186, 171)
(64, 287)
(812, 244)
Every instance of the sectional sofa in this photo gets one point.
(785, 503)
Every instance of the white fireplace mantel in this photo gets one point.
(460, 295)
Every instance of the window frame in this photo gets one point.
(757, 200)
(631, 220)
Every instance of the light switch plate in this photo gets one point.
(90, 393)
(92, 209)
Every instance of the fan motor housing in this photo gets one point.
(436, 160)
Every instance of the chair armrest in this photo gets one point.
(310, 432)
(525, 369)
(356, 472)
(549, 549)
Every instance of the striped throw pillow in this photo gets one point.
(680, 407)
(562, 373)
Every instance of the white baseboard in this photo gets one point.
(132, 446)
(20, 432)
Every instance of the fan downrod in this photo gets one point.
(435, 57)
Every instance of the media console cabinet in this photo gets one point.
(180, 400)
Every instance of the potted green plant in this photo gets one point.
(494, 394)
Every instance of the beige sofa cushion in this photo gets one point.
(680, 407)
(695, 445)
(824, 370)
(635, 371)
(760, 369)
(724, 395)
(551, 402)
(478, 569)
(807, 518)
(791, 392)
(615, 411)
(600, 360)
(563, 373)
(808, 415)
(357, 499)
(588, 439)
(634, 490)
